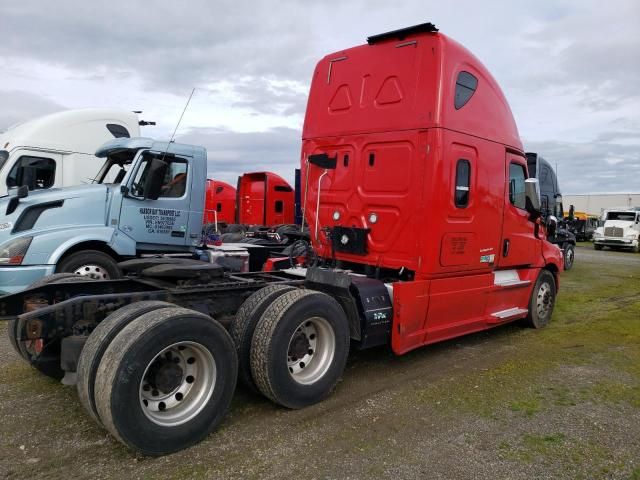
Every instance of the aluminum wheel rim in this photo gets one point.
(570, 257)
(544, 301)
(180, 402)
(321, 342)
(92, 270)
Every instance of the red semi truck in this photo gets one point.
(220, 202)
(264, 198)
(424, 226)
(427, 185)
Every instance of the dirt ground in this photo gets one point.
(562, 402)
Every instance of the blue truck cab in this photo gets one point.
(147, 198)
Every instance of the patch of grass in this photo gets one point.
(533, 447)
(568, 454)
(616, 392)
(528, 407)
(635, 475)
(543, 443)
(25, 380)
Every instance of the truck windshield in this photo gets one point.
(113, 171)
(3, 158)
(625, 216)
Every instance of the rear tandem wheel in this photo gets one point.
(166, 380)
(244, 323)
(99, 341)
(300, 348)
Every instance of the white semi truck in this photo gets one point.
(58, 150)
(621, 229)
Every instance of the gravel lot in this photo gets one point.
(563, 402)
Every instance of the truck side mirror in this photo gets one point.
(155, 178)
(571, 212)
(552, 225)
(532, 195)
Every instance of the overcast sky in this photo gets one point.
(570, 70)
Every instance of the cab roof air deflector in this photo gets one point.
(402, 33)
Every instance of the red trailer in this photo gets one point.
(220, 202)
(264, 198)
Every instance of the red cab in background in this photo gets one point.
(220, 202)
(264, 198)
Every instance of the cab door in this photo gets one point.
(164, 221)
(519, 246)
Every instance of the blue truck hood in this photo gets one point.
(55, 209)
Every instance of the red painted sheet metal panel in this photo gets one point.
(374, 88)
(405, 85)
(221, 199)
(251, 198)
(378, 185)
(280, 201)
(410, 305)
(265, 199)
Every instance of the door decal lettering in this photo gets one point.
(159, 220)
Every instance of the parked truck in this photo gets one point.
(220, 202)
(57, 150)
(88, 229)
(551, 206)
(424, 223)
(621, 230)
(581, 224)
(264, 198)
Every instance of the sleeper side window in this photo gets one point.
(35, 172)
(279, 206)
(118, 131)
(466, 85)
(517, 177)
(463, 183)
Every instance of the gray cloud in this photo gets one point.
(18, 107)
(601, 166)
(261, 95)
(590, 53)
(232, 153)
(171, 46)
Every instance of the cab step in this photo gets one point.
(508, 314)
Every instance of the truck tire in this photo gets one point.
(244, 324)
(166, 380)
(97, 344)
(569, 256)
(49, 363)
(90, 263)
(597, 247)
(300, 348)
(542, 300)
